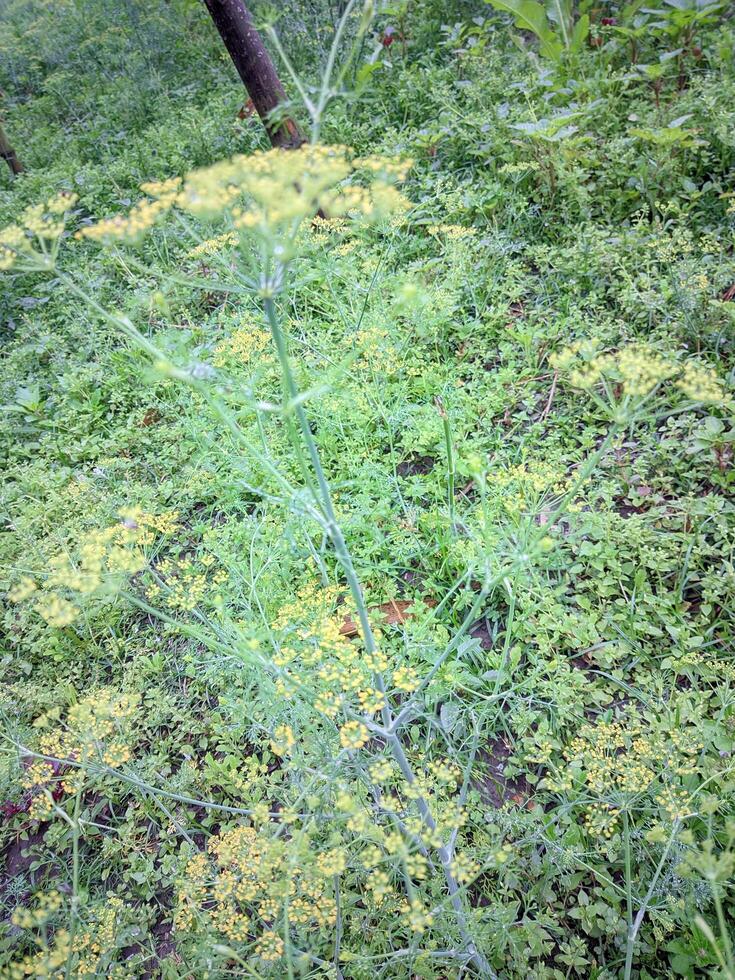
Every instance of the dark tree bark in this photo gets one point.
(245, 46)
(8, 153)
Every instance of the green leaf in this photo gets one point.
(713, 425)
(580, 33)
(528, 15)
(531, 16)
(559, 12)
(448, 715)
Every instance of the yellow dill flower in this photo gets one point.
(331, 863)
(405, 679)
(353, 735)
(230, 922)
(376, 661)
(319, 224)
(601, 820)
(44, 222)
(344, 248)
(56, 611)
(419, 918)
(327, 704)
(452, 232)
(701, 384)
(37, 774)
(139, 219)
(371, 700)
(269, 946)
(379, 886)
(47, 905)
(50, 960)
(23, 590)
(640, 369)
(104, 554)
(283, 740)
(213, 245)
(417, 866)
(252, 876)
(381, 770)
(269, 190)
(465, 868)
(675, 802)
(13, 244)
(242, 345)
(116, 754)
(129, 227)
(42, 807)
(637, 370)
(445, 772)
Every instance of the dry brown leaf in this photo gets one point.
(392, 612)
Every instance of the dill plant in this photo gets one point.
(394, 818)
(263, 199)
(280, 192)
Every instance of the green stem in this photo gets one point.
(628, 872)
(635, 926)
(323, 500)
(344, 557)
(724, 934)
(451, 466)
(76, 832)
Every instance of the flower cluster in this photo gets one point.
(243, 885)
(211, 246)
(89, 947)
(184, 582)
(49, 961)
(521, 488)
(95, 732)
(452, 232)
(314, 642)
(701, 384)
(268, 191)
(242, 345)
(636, 371)
(322, 231)
(437, 785)
(353, 735)
(378, 354)
(47, 905)
(99, 938)
(105, 556)
(622, 759)
(24, 245)
(140, 219)
(283, 740)
(254, 881)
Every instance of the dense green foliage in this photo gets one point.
(521, 391)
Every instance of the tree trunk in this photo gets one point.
(245, 46)
(8, 153)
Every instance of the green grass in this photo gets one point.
(560, 555)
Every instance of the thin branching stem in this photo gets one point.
(344, 557)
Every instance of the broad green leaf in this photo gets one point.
(528, 15)
(667, 136)
(579, 34)
(556, 127)
(559, 12)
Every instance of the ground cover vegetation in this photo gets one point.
(367, 531)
